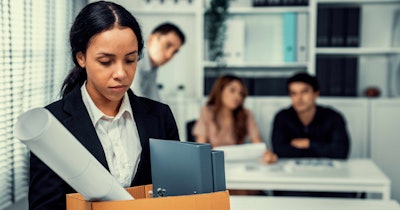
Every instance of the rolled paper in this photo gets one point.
(52, 143)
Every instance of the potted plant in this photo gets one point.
(215, 17)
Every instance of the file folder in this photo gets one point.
(180, 168)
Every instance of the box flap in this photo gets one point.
(207, 201)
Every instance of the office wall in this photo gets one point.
(20, 205)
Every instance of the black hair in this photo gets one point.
(306, 78)
(93, 19)
(165, 28)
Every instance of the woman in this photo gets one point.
(98, 107)
(224, 120)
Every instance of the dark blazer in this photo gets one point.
(153, 120)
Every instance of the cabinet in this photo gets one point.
(385, 142)
(376, 58)
(378, 51)
(265, 61)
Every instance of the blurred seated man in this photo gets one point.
(308, 130)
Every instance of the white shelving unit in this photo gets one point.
(208, 64)
(357, 51)
(256, 23)
(375, 44)
(375, 67)
(266, 10)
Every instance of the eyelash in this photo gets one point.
(105, 63)
(108, 63)
(131, 61)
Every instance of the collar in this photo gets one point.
(145, 63)
(96, 114)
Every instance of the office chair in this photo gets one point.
(189, 128)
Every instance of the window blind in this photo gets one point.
(34, 59)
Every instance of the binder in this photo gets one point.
(180, 168)
(289, 39)
(322, 74)
(336, 72)
(303, 2)
(208, 84)
(269, 35)
(249, 83)
(302, 37)
(350, 76)
(338, 25)
(260, 3)
(273, 2)
(273, 86)
(352, 37)
(218, 170)
(323, 29)
(288, 2)
(234, 42)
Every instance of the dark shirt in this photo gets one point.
(327, 133)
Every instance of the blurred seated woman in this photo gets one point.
(224, 120)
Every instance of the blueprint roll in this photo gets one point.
(52, 143)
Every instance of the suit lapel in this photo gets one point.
(82, 127)
(139, 111)
(144, 121)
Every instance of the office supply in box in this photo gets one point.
(207, 201)
(184, 168)
(218, 170)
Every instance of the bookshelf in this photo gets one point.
(266, 10)
(358, 51)
(373, 56)
(210, 64)
(263, 54)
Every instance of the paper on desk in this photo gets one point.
(311, 164)
(251, 151)
(52, 143)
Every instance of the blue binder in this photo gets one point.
(289, 36)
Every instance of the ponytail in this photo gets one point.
(76, 77)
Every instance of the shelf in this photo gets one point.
(356, 51)
(208, 64)
(267, 10)
(356, 1)
(173, 10)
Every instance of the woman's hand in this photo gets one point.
(269, 157)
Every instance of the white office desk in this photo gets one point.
(355, 175)
(296, 203)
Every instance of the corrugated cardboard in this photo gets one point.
(207, 201)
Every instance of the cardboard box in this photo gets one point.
(207, 201)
